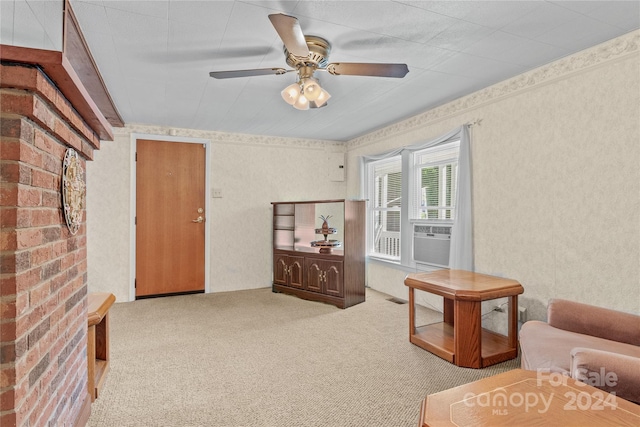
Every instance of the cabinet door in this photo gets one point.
(333, 278)
(280, 266)
(296, 271)
(314, 274)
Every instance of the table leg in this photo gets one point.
(448, 315)
(91, 361)
(513, 322)
(102, 338)
(467, 334)
(412, 314)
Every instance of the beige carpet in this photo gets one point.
(255, 358)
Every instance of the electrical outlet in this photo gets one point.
(216, 193)
(498, 308)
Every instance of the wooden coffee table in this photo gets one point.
(527, 398)
(460, 338)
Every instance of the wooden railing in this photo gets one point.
(388, 243)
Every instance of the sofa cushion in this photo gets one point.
(546, 347)
(595, 321)
(612, 372)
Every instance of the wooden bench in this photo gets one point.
(99, 304)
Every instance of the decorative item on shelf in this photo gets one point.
(73, 190)
(326, 245)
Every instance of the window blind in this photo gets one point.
(386, 176)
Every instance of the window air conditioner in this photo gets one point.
(431, 244)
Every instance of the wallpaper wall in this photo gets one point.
(252, 171)
(556, 187)
(556, 183)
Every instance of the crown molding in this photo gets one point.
(587, 59)
(229, 138)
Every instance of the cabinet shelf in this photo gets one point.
(284, 209)
(302, 270)
(438, 338)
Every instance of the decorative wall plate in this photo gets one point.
(73, 190)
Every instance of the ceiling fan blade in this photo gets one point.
(247, 73)
(199, 55)
(365, 69)
(288, 28)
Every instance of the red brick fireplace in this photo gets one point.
(43, 280)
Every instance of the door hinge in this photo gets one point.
(136, 156)
(135, 220)
(135, 283)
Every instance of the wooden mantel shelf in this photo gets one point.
(57, 67)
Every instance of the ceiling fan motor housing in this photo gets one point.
(319, 50)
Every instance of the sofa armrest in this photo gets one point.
(611, 372)
(595, 321)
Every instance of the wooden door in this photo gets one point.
(170, 231)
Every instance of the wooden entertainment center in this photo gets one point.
(335, 276)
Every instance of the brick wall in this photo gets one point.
(43, 281)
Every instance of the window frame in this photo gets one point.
(372, 208)
(408, 210)
(415, 187)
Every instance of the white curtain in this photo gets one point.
(363, 169)
(461, 253)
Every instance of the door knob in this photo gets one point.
(199, 219)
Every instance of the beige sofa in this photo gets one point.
(599, 346)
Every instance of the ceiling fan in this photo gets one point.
(308, 54)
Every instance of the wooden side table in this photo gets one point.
(460, 338)
(527, 398)
(98, 340)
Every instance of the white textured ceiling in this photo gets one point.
(155, 56)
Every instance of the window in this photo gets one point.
(428, 179)
(435, 172)
(385, 194)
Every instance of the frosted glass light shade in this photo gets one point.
(302, 103)
(291, 93)
(311, 89)
(322, 98)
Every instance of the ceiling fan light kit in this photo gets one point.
(305, 93)
(308, 54)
